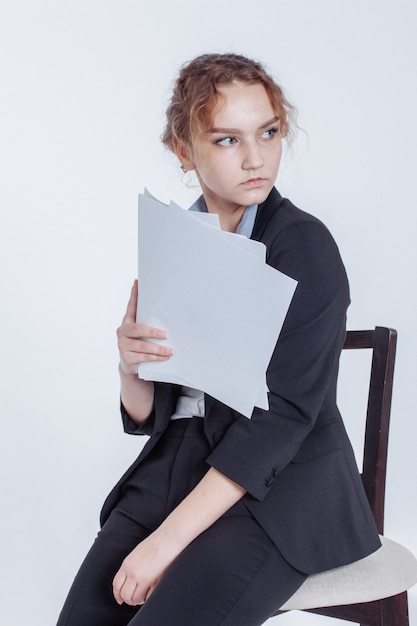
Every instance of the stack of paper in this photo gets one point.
(222, 305)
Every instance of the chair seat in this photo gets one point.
(390, 570)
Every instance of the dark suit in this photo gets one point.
(294, 460)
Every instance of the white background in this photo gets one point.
(84, 84)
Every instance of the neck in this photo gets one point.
(229, 219)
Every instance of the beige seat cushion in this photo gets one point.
(388, 571)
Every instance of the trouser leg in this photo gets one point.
(159, 484)
(90, 601)
(231, 575)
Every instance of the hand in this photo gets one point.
(133, 347)
(143, 568)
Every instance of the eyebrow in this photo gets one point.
(237, 130)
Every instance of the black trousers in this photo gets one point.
(231, 575)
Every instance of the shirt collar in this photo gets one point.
(245, 226)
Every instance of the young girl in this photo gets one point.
(221, 518)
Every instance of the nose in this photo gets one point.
(253, 159)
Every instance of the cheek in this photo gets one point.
(213, 169)
(276, 157)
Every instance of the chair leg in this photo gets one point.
(394, 610)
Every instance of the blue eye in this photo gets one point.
(226, 141)
(268, 134)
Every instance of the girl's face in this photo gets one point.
(237, 160)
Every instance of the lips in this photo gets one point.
(254, 182)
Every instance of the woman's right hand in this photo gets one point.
(132, 339)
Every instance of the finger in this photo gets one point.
(129, 361)
(130, 315)
(136, 351)
(149, 332)
(129, 330)
(140, 595)
(143, 346)
(150, 592)
(127, 592)
(124, 589)
(150, 348)
(118, 582)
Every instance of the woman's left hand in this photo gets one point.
(143, 568)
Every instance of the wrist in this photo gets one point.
(126, 373)
(173, 539)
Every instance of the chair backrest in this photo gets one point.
(392, 609)
(383, 342)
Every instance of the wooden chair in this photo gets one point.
(373, 591)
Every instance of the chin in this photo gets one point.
(257, 196)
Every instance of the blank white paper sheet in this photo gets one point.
(222, 305)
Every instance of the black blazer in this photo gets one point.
(295, 460)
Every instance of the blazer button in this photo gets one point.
(275, 471)
(268, 482)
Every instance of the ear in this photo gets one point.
(184, 156)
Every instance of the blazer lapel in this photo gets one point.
(165, 402)
(265, 212)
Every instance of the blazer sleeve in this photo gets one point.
(304, 364)
(132, 428)
(165, 400)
